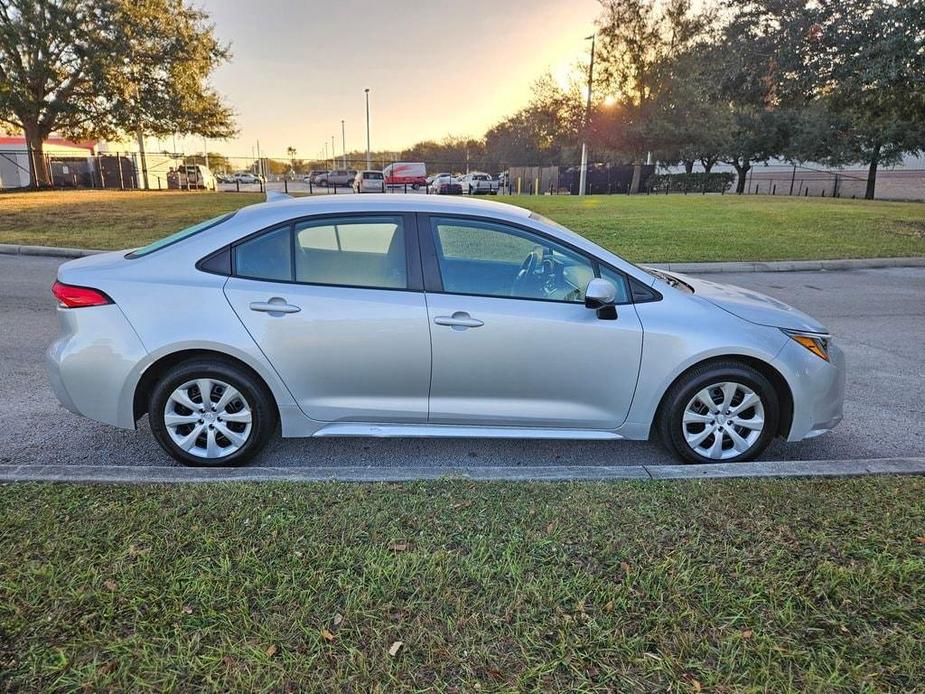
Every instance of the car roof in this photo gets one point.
(379, 202)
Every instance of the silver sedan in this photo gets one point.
(409, 316)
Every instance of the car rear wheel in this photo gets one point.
(723, 412)
(209, 413)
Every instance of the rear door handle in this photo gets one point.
(460, 320)
(276, 305)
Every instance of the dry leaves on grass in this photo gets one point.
(111, 585)
(327, 634)
(399, 546)
(395, 648)
(271, 650)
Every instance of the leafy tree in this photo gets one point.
(639, 40)
(546, 132)
(217, 162)
(686, 112)
(104, 68)
(855, 69)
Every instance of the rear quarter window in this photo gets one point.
(179, 236)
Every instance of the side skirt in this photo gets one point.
(453, 431)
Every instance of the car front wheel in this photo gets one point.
(211, 413)
(723, 412)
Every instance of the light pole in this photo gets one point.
(343, 144)
(369, 162)
(333, 154)
(583, 177)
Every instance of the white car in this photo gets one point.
(246, 178)
(369, 182)
(478, 182)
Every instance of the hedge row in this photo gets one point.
(699, 182)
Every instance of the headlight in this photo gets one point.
(814, 342)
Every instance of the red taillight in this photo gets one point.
(71, 296)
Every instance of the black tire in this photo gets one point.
(253, 390)
(670, 424)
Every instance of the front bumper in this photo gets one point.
(818, 389)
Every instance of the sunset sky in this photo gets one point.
(433, 68)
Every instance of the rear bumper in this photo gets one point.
(449, 189)
(818, 390)
(90, 365)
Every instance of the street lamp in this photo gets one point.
(583, 177)
(333, 154)
(343, 143)
(369, 162)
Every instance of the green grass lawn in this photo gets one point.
(654, 228)
(767, 585)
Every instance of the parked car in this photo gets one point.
(369, 182)
(430, 179)
(445, 184)
(341, 177)
(413, 174)
(245, 177)
(199, 176)
(477, 183)
(427, 316)
(320, 178)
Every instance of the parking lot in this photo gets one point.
(878, 317)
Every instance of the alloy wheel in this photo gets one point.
(723, 420)
(208, 418)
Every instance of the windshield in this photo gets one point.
(179, 236)
(671, 280)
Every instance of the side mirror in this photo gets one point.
(600, 296)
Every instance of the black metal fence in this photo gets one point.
(166, 171)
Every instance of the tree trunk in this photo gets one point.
(41, 177)
(707, 164)
(872, 174)
(688, 166)
(742, 172)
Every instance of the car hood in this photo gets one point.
(752, 306)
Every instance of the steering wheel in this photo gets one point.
(529, 277)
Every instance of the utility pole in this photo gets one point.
(343, 144)
(333, 154)
(369, 162)
(583, 178)
(205, 150)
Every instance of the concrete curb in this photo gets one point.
(51, 251)
(125, 474)
(690, 268)
(789, 265)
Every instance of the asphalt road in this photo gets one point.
(878, 317)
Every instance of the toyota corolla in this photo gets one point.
(422, 316)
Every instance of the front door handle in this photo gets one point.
(276, 305)
(460, 320)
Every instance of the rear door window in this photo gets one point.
(356, 252)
